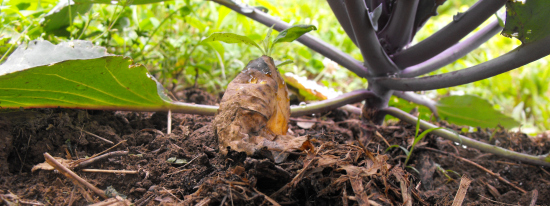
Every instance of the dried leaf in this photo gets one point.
(254, 112)
(46, 166)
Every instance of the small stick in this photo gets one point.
(89, 161)
(267, 197)
(548, 173)
(111, 171)
(169, 126)
(97, 136)
(72, 176)
(382, 137)
(534, 197)
(480, 167)
(462, 190)
(173, 173)
(110, 148)
(496, 202)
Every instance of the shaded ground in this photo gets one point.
(338, 171)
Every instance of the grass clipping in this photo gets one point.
(254, 113)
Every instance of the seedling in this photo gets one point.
(266, 46)
(254, 111)
(417, 139)
(446, 172)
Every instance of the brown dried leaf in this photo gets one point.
(46, 166)
(254, 112)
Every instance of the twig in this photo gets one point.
(72, 176)
(498, 203)
(173, 173)
(89, 161)
(462, 190)
(169, 122)
(152, 130)
(382, 137)
(548, 173)
(480, 167)
(267, 197)
(534, 197)
(111, 171)
(453, 136)
(97, 136)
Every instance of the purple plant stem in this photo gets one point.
(398, 31)
(418, 99)
(453, 53)
(461, 26)
(330, 104)
(520, 56)
(376, 60)
(339, 10)
(542, 160)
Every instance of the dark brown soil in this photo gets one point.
(338, 171)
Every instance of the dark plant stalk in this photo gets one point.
(453, 53)
(418, 99)
(543, 160)
(520, 56)
(330, 104)
(376, 60)
(461, 26)
(316, 107)
(398, 31)
(314, 43)
(341, 14)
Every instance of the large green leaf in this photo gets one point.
(231, 38)
(59, 18)
(99, 83)
(472, 111)
(527, 20)
(86, 78)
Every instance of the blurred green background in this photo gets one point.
(164, 36)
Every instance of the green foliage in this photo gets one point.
(292, 33)
(472, 111)
(417, 138)
(231, 38)
(164, 37)
(287, 35)
(527, 20)
(106, 82)
(62, 15)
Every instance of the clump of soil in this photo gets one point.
(336, 170)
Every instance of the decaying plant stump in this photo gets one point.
(254, 112)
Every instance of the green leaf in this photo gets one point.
(282, 63)
(472, 111)
(59, 18)
(180, 161)
(417, 139)
(527, 20)
(231, 38)
(171, 160)
(119, 2)
(293, 33)
(31, 78)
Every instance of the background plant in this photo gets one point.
(164, 36)
(131, 37)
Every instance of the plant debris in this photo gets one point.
(254, 112)
(335, 170)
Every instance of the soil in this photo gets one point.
(345, 164)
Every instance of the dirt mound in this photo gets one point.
(185, 167)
